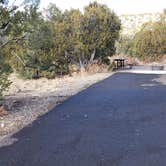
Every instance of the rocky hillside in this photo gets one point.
(132, 23)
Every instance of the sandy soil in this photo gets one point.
(27, 100)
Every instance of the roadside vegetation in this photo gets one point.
(34, 45)
(148, 43)
(54, 43)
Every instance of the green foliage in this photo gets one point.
(40, 57)
(11, 34)
(101, 29)
(149, 42)
(4, 72)
(88, 36)
(38, 47)
(124, 45)
(112, 66)
(65, 38)
(4, 84)
(26, 73)
(106, 61)
(151, 39)
(53, 13)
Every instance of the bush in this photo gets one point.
(49, 75)
(5, 69)
(124, 45)
(112, 66)
(151, 40)
(148, 43)
(4, 85)
(27, 73)
(106, 61)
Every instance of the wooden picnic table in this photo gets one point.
(119, 62)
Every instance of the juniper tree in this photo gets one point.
(10, 34)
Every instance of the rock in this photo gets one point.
(3, 111)
(2, 125)
(85, 116)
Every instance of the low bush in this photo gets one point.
(4, 85)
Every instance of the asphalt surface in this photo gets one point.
(120, 121)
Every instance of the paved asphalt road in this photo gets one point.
(120, 121)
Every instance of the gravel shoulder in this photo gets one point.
(29, 99)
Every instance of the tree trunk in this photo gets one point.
(71, 59)
(82, 67)
(19, 59)
(92, 56)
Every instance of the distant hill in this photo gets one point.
(133, 22)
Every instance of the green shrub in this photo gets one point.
(112, 66)
(4, 85)
(49, 75)
(27, 73)
(124, 45)
(106, 61)
(151, 40)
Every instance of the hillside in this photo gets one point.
(133, 22)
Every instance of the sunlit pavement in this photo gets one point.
(144, 69)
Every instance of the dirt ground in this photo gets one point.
(29, 99)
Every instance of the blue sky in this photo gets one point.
(119, 6)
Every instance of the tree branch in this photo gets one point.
(14, 39)
(18, 58)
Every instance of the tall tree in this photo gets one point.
(151, 39)
(42, 53)
(92, 34)
(10, 34)
(101, 28)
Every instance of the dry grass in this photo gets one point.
(29, 99)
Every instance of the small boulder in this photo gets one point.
(2, 125)
(3, 111)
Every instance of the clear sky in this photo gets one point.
(119, 6)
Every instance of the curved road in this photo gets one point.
(120, 121)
